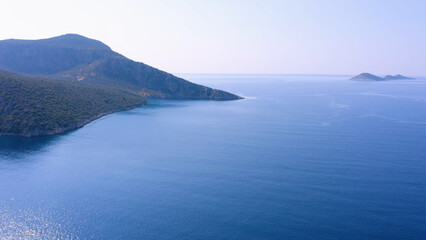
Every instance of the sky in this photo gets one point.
(239, 36)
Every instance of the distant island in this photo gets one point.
(54, 85)
(367, 77)
(371, 77)
(396, 77)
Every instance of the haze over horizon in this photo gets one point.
(268, 37)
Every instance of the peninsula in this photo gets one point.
(76, 58)
(54, 85)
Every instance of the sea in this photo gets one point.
(301, 157)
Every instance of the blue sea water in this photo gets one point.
(302, 157)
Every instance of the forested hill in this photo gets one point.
(76, 58)
(31, 106)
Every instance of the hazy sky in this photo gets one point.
(239, 36)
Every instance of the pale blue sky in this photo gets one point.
(239, 36)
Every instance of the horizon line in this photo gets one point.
(316, 74)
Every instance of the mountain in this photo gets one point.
(32, 106)
(367, 77)
(396, 77)
(76, 58)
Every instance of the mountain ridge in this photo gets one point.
(73, 57)
(69, 40)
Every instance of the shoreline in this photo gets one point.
(69, 128)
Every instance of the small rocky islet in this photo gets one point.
(371, 77)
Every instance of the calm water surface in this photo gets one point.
(302, 157)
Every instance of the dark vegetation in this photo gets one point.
(32, 106)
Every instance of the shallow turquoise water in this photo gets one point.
(302, 157)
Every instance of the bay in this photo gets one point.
(301, 157)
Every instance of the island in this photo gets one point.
(371, 77)
(32, 106)
(367, 77)
(396, 77)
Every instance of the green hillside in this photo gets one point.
(32, 106)
(73, 57)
